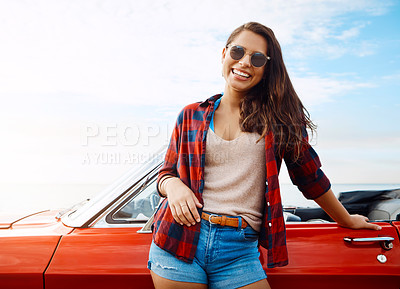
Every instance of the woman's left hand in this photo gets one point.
(360, 222)
(335, 209)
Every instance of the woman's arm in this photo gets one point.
(306, 174)
(331, 205)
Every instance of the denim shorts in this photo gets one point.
(226, 257)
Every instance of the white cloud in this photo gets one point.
(140, 52)
(393, 77)
(314, 90)
(349, 33)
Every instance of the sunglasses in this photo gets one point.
(257, 59)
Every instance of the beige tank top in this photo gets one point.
(234, 177)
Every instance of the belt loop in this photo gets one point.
(240, 223)
(223, 220)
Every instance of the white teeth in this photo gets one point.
(241, 73)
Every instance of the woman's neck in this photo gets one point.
(231, 99)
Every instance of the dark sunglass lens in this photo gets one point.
(237, 52)
(258, 59)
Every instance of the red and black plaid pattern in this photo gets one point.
(185, 158)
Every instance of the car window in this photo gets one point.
(141, 207)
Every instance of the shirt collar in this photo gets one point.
(211, 100)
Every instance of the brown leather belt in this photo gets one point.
(223, 220)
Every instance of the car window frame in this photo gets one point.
(110, 218)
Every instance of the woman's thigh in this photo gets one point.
(262, 284)
(165, 266)
(163, 283)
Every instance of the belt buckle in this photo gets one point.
(209, 219)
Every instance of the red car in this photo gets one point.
(104, 243)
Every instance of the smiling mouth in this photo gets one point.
(240, 73)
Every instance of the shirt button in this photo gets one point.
(270, 225)
(266, 183)
(268, 204)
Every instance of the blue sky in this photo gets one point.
(90, 88)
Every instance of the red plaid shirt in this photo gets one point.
(185, 159)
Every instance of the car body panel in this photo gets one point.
(23, 260)
(397, 226)
(117, 256)
(107, 257)
(320, 258)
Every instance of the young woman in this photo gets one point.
(220, 174)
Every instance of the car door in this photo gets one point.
(323, 255)
(396, 224)
(23, 260)
(101, 258)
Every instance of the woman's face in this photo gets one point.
(241, 75)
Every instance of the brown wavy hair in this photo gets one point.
(273, 103)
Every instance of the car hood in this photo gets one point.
(31, 222)
(8, 219)
(25, 219)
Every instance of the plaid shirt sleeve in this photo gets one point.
(184, 159)
(306, 172)
(171, 156)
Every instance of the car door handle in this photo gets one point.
(386, 242)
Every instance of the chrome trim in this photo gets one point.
(74, 207)
(371, 239)
(147, 227)
(100, 205)
(102, 223)
(385, 242)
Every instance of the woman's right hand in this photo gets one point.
(182, 202)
